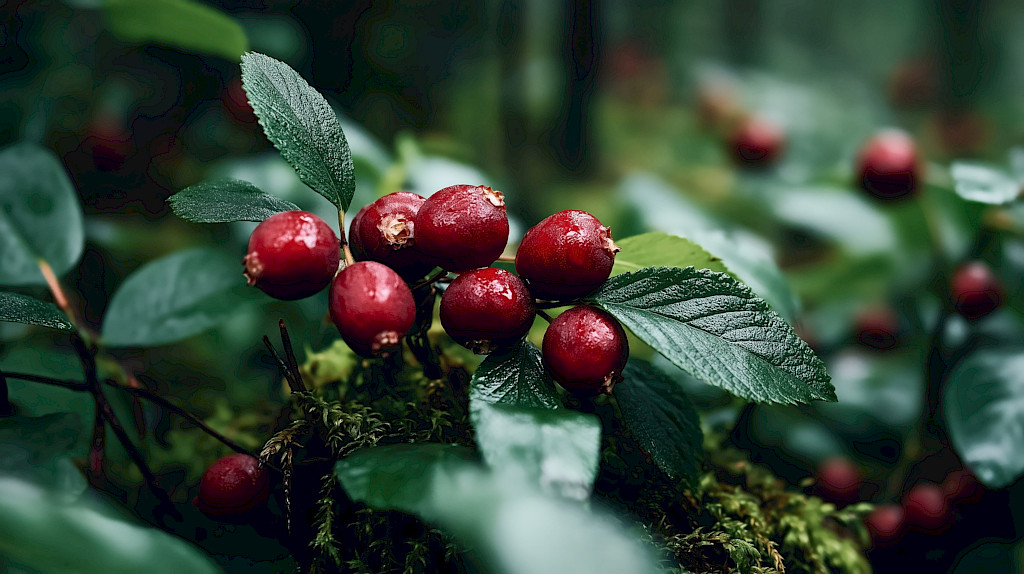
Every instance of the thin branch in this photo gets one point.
(294, 383)
(73, 385)
(98, 444)
(557, 304)
(436, 276)
(544, 315)
(289, 353)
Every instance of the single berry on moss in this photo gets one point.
(888, 167)
(462, 227)
(486, 309)
(292, 255)
(372, 308)
(976, 291)
(757, 142)
(384, 231)
(232, 485)
(585, 350)
(567, 255)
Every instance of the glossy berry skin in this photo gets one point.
(372, 308)
(756, 142)
(567, 255)
(927, 508)
(232, 485)
(886, 524)
(292, 255)
(888, 167)
(839, 480)
(462, 227)
(585, 350)
(384, 231)
(486, 309)
(975, 290)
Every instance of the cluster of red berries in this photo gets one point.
(401, 237)
(927, 507)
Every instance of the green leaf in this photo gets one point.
(661, 249)
(558, 449)
(990, 557)
(46, 533)
(514, 376)
(39, 449)
(984, 406)
(18, 308)
(226, 200)
(513, 529)
(983, 184)
(172, 298)
(716, 329)
(40, 217)
(302, 125)
(659, 414)
(184, 24)
(847, 218)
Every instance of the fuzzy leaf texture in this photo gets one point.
(716, 329)
(172, 298)
(226, 200)
(40, 217)
(18, 308)
(661, 418)
(511, 528)
(657, 248)
(516, 377)
(185, 24)
(301, 125)
(984, 406)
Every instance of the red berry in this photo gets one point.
(886, 524)
(292, 255)
(486, 309)
(756, 142)
(232, 485)
(877, 327)
(927, 507)
(962, 487)
(384, 231)
(839, 480)
(975, 289)
(462, 227)
(888, 166)
(372, 307)
(237, 101)
(567, 255)
(585, 349)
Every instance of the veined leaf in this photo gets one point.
(515, 376)
(226, 200)
(716, 329)
(659, 414)
(19, 308)
(657, 249)
(302, 125)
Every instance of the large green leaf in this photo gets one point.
(984, 407)
(172, 298)
(185, 24)
(983, 184)
(39, 449)
(661, 249)
(48, 534)
(18, 308)
(659, 415)
(226, 200)
(302, 125)
(514, 376)
(514, 529)
(40, 217)
(716, 329)
(559, 449)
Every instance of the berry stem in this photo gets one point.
(428, 280)
(544, 315)
(507, 258)
(349, 260)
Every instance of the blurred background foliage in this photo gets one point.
(618, 108)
